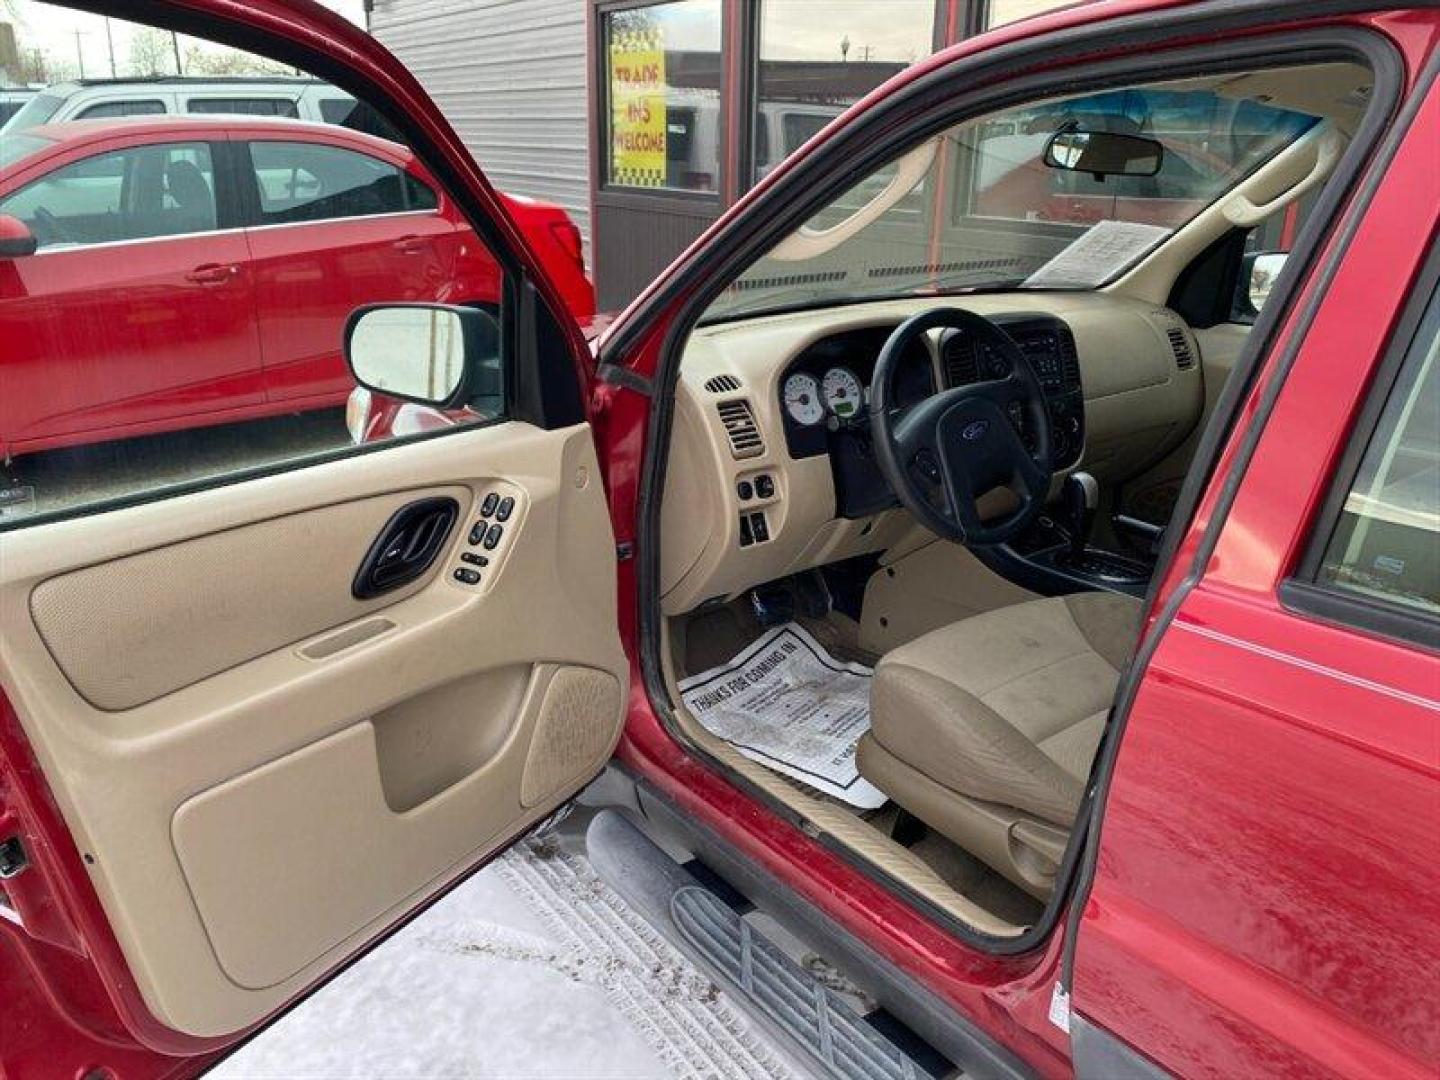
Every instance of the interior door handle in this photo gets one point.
(406, 546)
(212, 273)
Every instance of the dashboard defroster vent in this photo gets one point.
(722, 384)
(1180, 346)
(740, 427)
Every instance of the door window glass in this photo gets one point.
(268, 106)
(135, 194)
(313, 182)
(805, 79)
(1000, 12)
(106, 109)
(135, 368)
(662, 66)
(1386, 545)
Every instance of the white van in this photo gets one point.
(265, 95)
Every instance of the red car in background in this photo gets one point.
(267, 232)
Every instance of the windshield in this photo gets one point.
(38, 110)
(981, 208)
(15, 147)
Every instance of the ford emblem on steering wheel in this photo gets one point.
(975, 430)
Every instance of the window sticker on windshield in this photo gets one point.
(1105, 248)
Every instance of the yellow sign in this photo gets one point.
(637, 108)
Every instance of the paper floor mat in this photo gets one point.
(788, 704)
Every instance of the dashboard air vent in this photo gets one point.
(722, 384)
(739, 421)
(1069, 360)
(961, 366)
(1180, 346)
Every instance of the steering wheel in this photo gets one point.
(941, 455)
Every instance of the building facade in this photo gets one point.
(645, 119)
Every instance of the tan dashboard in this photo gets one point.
(738, 510)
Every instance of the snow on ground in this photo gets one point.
(534, 968)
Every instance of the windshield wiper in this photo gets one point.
(966, 281)
(794, 299)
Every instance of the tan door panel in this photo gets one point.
(296, 768)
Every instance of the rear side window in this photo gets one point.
(242, 106)
(38, 110)
(133, 194)
(106, 110)
(1386, 544)
(314, 182)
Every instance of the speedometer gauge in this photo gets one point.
(844, 396)
(801, 394)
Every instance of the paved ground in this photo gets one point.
(532, 969)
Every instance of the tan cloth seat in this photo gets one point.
(986, 729)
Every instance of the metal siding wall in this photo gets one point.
(510, 76)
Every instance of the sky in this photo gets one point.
(53, 29)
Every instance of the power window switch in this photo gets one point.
(506, 508)
(488, 506)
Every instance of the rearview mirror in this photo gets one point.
(16, 239)
(425, 353)
(1103, 153)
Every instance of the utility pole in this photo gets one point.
(110, 44)
(80, 52)
(175, 43)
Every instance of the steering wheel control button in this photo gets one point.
(765, 486)
(477, 533)
(473, 559)
(492, 538)
(467, 577)
(488, 506)
(745, 490)
(506, 508)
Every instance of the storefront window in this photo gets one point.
(1000, 12)
(663, 82)
(819, 56)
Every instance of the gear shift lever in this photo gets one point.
(1080, 496)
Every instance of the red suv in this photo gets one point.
(1037, 621)
(267, 233)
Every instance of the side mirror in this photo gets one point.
(425, 353)
(1262, 269)
(1103, 153)
(16, 239)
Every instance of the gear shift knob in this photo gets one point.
(1081, 497)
